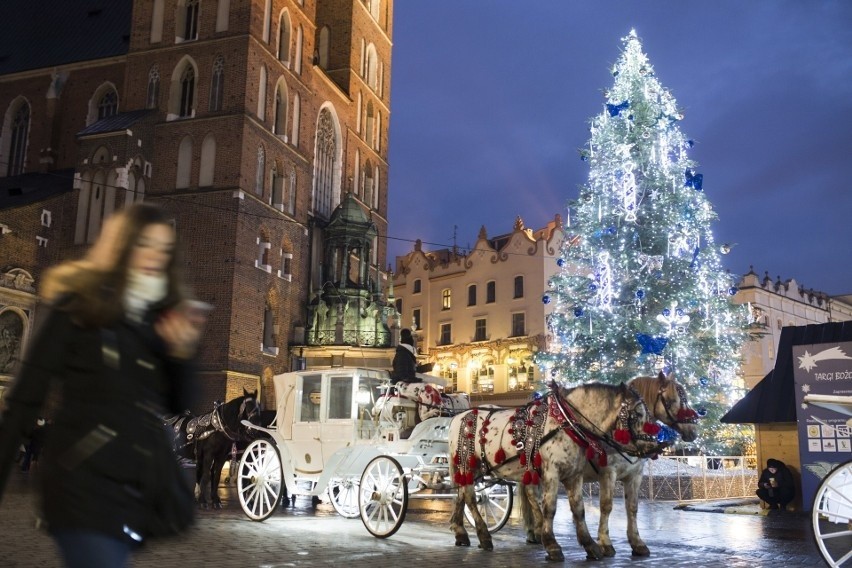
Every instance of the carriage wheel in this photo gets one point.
(494, 501)
(832, 516)
(383, 496)
(343, 494)
(259, 480)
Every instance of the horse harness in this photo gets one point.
(527, 431)
(200, 428)
(684, 414)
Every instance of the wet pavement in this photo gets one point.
(303, 535)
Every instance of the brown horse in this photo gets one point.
(541, 444)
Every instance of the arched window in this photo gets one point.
(152, 99)
(186, 20)
(322, 48)
(284, 38)
(157, 21)
(108, 104)
(18, 140)
(291, 193)
(267, 20)
(96, 206)
(261, 94)
(277, 184)
(326, 176)
(186, 106)
(260, 174)
(371, 67)
(373, 6)
(279, 125)
(217, 84)
(377, 140)
(184, 163)
(300, 34)
(207, 167)
(297, 109)
(370, 124)
(367, 190)
(223, 10)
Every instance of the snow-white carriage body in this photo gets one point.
(348, 435)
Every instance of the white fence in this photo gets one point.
(689, 478)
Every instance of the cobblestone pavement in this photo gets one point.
(303, 535)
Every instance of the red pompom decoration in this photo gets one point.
(534, 477)
(621, 436)
(472, 461)
(537, 460)
(456, 459)
(527, 479)
(458, 478)
(650, 428)
(686, 414)
(500, 456)
(482, 441)
(523, 459)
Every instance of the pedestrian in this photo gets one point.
(33, 447)
(405, 359)
(117, 346)
(776, 485)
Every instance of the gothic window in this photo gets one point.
(300, 34)
(18, 141)
(157, 21)
(184, 163)
(370, 125)
(367, 190)
(284, 38)
(187, 92)
(190, 19)
(268, 344)
(267, 20)
(371, 67)
(217, 84)
(322, 56)
(208, 161)
(108, 104)
(260, 174)
(262, 260)
(152, 99)
(325, 165)
(275, 182)
(291, 193)
(297, 107)
(261, 94)
(279, 125)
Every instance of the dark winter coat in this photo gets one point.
(404, 366)
(107, 447)
(783, 477)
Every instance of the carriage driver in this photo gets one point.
(405, 359)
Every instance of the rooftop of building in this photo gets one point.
(24, 189)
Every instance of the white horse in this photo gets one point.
(667, 402)
(541, 444)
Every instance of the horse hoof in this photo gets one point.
(641, 551)
(203, 506)
(555, 556)
(594, 552)
(217, 506)
(486, 545)
(462, 541)
(532, 538)
(608, 550)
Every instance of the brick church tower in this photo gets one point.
(250, 120)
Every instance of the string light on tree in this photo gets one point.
(640, 286)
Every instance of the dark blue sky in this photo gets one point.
(490, 100)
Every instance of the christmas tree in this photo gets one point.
(641, 288)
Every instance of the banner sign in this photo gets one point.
(824, 437)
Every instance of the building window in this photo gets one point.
(397, 304)
(521, 374)
(471, 295)
(518, 321)
(519, 287)
(187, 92)
(286, 271)
(446, 299)
(276, 186)
(207, 167)
(260, 174)
(190, 23)
(484, 378)
(18, 141)
(370, 124)
(152, 99)
(371, 66)
(279, 123)
(450, 371)
(291, 195)
(108, 105)
(284, 38)
(417, 287)
(446, 334)
(491, 292)
(297, 109)
(268, 344)
(261, 94)
(217, 86)
(262, 260)
(324, 41)
(480, 330)
(184, 163)
(415, 318)
(325, 165)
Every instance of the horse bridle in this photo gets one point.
(219, 424)
(684, 415)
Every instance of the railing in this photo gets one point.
(689, 478)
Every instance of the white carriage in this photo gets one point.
(347, 435)
(831, 515)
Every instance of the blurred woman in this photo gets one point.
(117, 344)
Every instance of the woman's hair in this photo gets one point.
(92, 289)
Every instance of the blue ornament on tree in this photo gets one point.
(537, 396)
(545, 299)
(650, 344)
(690, 143)
(693, 180)
(593, 287)
(615, 110)
(701, 411)
(560, 262)
(733, 291)
(667, 312)
(666, 435)
(578, 312)
(704, 381)
(640, 294)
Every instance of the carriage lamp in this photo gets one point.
(363, 396)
